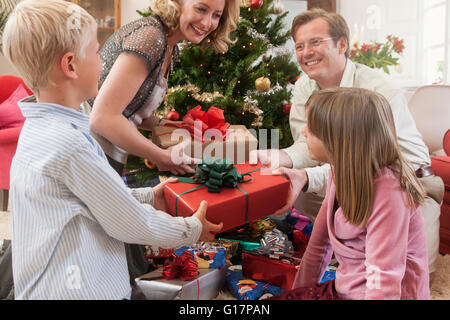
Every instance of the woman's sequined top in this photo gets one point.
(147, 38)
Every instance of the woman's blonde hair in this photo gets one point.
(40, 31)
(169, 11)
(357, 128)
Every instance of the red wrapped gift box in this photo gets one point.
(300, 242)
(266, 193)
(280, 273)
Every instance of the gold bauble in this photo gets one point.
(262, 84)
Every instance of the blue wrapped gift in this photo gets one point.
(330, 274)
(247, 288)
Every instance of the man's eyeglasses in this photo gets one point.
(312, 43)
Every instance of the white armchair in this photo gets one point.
(430, 108)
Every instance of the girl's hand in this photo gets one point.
(298, 179)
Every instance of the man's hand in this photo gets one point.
(298, 179)
(207, 227)
(273, 158)
(158, 195)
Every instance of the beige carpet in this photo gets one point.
(440, 288)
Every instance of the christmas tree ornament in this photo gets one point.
(256, 35)
(256, 4)
(266, 57)
(262, 84)
(295, 80)
(173, 115)
(149, 165)
(287, 108)
(191, 84)
(278, 7)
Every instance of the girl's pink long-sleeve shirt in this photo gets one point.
(385, 259)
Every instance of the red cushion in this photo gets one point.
(8, 144)
(10, 114)
(441, 168)
(8, 84)
(446, 142)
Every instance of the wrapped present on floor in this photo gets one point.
(158, 252)
(180, 279)
(274, 262)
(206, 255)
(330, 274)
(231, 247)
(261, 226)
(235, 194)
(248, 289)
(300, 242)
(209, 135)
(279, 272)
(298, 220)
(242, 236)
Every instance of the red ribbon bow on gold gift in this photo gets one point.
(198, 121)
(183, 267)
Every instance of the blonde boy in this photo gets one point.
(71, 212)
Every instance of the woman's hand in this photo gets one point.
(165, 121)
(158, 195)
(174, 159)
(298, 179)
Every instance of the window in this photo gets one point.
(435, 41)
(422, 24)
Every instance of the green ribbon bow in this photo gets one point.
(215, 174)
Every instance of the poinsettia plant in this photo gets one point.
(378, 55)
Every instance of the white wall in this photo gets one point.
(6, 67)
(128, 9)
(373, 20)
(294, 7)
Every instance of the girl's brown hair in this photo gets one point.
(357, 128)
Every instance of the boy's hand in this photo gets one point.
(298, 179)
(207, 227)
(158, 194)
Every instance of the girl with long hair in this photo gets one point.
(371, 216)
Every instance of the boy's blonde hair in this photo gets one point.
(357, 129)
(38, 32)
(219, 40)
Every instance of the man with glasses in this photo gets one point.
(322, 48)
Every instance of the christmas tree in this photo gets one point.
(250, 82)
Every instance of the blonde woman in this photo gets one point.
(371, 216)
(137, 60)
